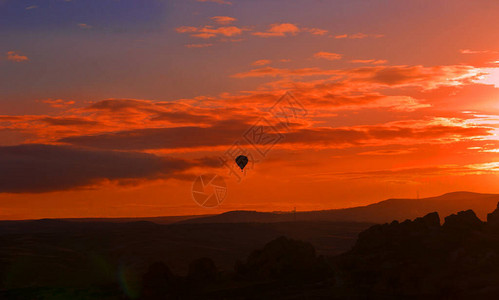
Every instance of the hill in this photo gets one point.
(381, 212)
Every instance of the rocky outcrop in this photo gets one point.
(397, 235)
(493, 218)
(420, 258)
(463, 221)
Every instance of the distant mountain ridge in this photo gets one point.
(157, 220)
(380, 212)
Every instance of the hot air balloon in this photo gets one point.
(241, 161)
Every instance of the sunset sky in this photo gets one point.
(113, 107)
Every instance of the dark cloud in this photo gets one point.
(228, 132)
(382, 134)
(223, 133)
(158, 111)
(209, 161)
(426, 77)
(182, 117)
(114, 105)
(34, 168)
(393, 75)
(414, 75)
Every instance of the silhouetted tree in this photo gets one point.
(159, 282)
(284, 259)
(202, 270)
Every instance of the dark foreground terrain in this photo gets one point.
(427, 258)
(93, 259)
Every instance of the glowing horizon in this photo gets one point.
(115, 113)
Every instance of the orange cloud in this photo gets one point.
(316, 31)
(107, 116)
(359, 35)
(269, 71)
(328, 55)
(425, 77)
(13, 56)
(468, 51)
(405, 174)
(261, 62)
(276, 30)
(489, 76)
(58, 103)
(369, 61)
(84, 26)
(207, 32)
(198, 45)
(223, 20)
(211, 124)
(116, 115)
(224, 132)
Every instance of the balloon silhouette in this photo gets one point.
(241, 161)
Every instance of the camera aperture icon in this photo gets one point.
(209, 190)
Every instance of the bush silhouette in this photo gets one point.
(202, 270)
(159, 282)
(283, 259)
